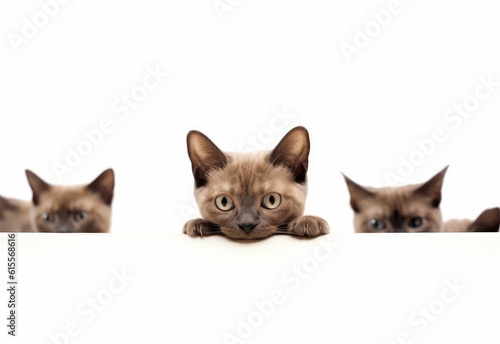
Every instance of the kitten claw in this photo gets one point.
(198, 227)
(308, 226)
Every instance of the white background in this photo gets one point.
(226, 79)
(228, 76)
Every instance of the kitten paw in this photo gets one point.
(199, 227)
(308, 226)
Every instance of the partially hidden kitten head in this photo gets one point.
(72, 209)
(250, 195)
(14, 215)
(410, 208)
(487, 221)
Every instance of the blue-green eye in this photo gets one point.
(377, 224)
(224, 203)
(271, 200)
(80, 216)
(48, 217)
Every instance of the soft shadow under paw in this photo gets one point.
(308, 226)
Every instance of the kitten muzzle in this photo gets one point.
(64, 228)
(248, 218)
(247, 228)
(397, 222)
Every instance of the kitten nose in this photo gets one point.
(247, 227)
(64, 229)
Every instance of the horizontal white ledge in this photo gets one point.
(357, 288)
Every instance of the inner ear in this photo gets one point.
(38, 186)
(432, 188)
(204, 156)
(104, 185)
(293, 152)
(488, 221)
(357, 194)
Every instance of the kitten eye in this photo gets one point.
(271, 200)
(377, 224)
(224, 203)
(80, 216)
(48, 217)
(416, 222)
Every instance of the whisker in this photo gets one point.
(283, 227)
(213, 229)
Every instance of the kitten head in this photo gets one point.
(410, 208)
(14, 215)
(72, 209)
(487, 221)
(250, 195)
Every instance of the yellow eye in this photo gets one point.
(271, 200)
(224, 203)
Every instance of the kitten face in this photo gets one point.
(14, 215)
(250, 195)
(411, 208)
(72, 209)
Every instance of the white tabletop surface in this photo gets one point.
(395, 288)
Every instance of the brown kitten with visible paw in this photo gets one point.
(72, 209)
(252, 195)
(15, 215)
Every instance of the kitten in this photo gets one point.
(15, 215)
(72, 209)
(252, 195)
(410, 208)
(487, 221)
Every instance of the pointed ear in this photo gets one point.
(357, 193)
(38, 186)
(432, 188)
(204, 156)
(104, 185)
(293, 152)
(488, 221)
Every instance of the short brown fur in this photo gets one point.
(246, 179)
(397, 209)
(400, 208)
(487, 221)
(72, 209)
(15, 215)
